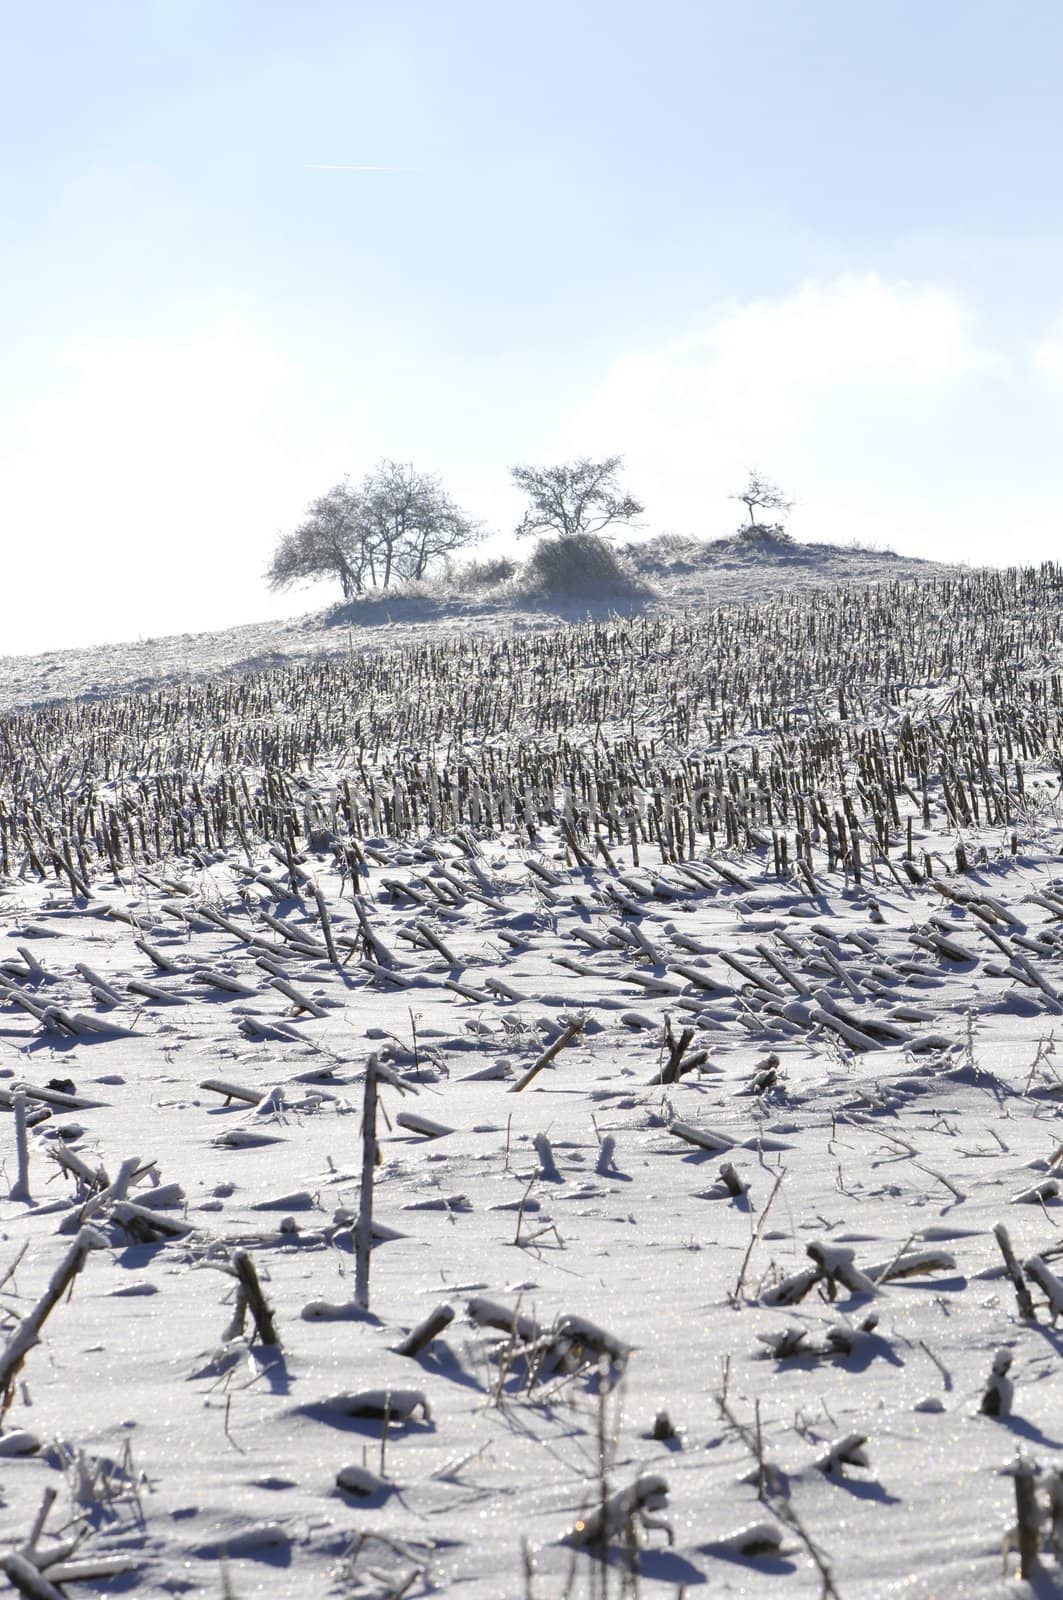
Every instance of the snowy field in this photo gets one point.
(708, 974)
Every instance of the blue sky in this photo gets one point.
(825, 238)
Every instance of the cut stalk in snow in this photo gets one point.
(28, 1331)
(326, 926)
(256, 1301)
(426, 1331)
(20, 1189)
(547, 1056)
(364, 1230)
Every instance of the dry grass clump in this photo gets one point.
(493, 572)
(763, 535)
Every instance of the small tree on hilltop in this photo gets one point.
(577, 497)
(410, 521)
(328, 543)
(760, 494)
(394, 526)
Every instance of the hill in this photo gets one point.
(676, 575)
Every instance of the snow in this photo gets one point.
(771, 1385)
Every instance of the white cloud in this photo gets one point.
(835, 389)
(853, 331)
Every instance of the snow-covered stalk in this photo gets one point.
(69, 1161)
(426, 1331)
(364, 1230)
(678, 1048)
(124, 1177)
(1027, 1516)
(836, 1264)
(846, 1452)
(547, 1164)
(1022, 1292)
(606, 1156)
(736, 1186)
(239, 1317)
(430, 937)
(28, 1331)
(257, 1303)
(1050, 1286)
(91, 1570)
(547, 1056)
(25, 1577)
(20, 1189)
(374, 946)
(999, 1390)
(115, 1192)
(326, 926)
(489, 1314)
(632, 1506)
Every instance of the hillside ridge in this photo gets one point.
(673, 574)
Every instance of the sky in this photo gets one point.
(249, 248)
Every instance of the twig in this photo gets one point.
(757, 1231)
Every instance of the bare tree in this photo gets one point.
(327, 544)
(394, 526)
(578, 497)
(410, 521)
(760, 494)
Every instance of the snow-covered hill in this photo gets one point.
(678, 575)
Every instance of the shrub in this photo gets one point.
(576, 564)
(488, 574)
